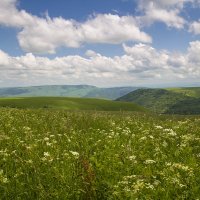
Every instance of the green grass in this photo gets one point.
(55, 154)
(69, 104)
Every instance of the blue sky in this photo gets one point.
(99, 42)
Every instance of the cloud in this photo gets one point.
(45, 35)
(141, 63)
(10, 16)
(166, 11)
(195, 27)
(193, 53)
(4, 59)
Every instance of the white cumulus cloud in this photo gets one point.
(195, 27)
(166, 11)
(140, 63)
(44, 35)
(4, 59)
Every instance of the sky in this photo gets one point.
(104, 43)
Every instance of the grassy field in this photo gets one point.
(55, 154)
(69, 104)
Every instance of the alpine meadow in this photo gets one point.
(100, 100)
(55, 154)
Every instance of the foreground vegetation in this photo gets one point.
(49, 154)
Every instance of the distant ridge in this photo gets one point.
(88, 91)
(168, 101)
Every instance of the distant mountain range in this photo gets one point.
(67, 91)
(167, 101)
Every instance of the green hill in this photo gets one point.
(66, 91)
(167, 101)
(187, 91)
(69, 104)
(185, 107)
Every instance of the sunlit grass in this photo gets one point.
(49, 154)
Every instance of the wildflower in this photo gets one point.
(29, 161)
(164, 144)
(26, 128)
(49, 144)
(143, 138)
(132, 157)
(149, 162)
(46, 139)
(47, 157)
(170, 132)
(156, 182)
(46, 154)
(129, 177)
(3, 178)
(123, 182)
(151, 137)
(75, 154)
(159, 127)
(139, 185)
(28, 147)
(149, 186)
(51, 136)
(181, 166)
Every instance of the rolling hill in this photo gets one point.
(168, 101)
(187, 91)
(69, 104)
(67, 91)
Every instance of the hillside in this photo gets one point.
(164, 101)
(187, 91)
(66, 91)
(69, 104)
(185, 107)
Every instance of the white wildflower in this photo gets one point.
(159, 127)
(29, 161)
(170, 132)
(3, 178)
(46, 154)
(149, 186)
(49, 144)
(164, 144)
(132, 158)
(46, 139)
(143, 138)
(149, 162)
(75, 154)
